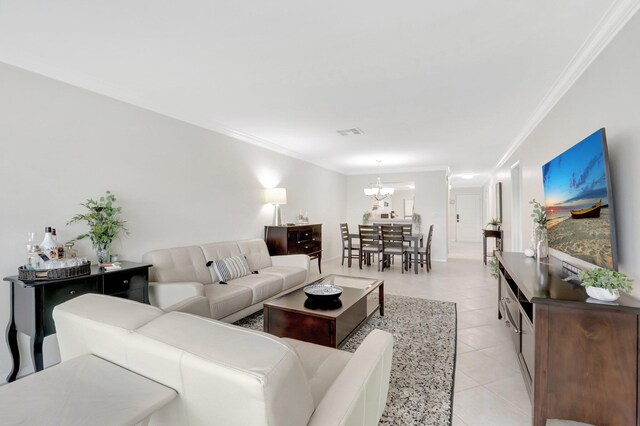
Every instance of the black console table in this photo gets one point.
(295, 239)
(579, 357)
(32, 303)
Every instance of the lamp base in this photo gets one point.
(277, 216)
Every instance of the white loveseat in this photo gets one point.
(180, 279)
(228, 375)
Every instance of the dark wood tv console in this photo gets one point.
(579, 357)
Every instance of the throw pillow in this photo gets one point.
(231, 268)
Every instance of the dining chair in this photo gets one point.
(355, 248)
(407, 229)
(426, 260)
(369, 243)
(393, 244)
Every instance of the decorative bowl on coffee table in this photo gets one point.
(323, 292)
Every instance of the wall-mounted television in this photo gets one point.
(579, 202)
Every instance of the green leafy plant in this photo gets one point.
(605, 278)
(103, 220)
(417, 219)
(539, 213)
(494, 268)
(366, 217)
(494, 222)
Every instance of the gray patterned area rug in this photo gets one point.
(424, 356)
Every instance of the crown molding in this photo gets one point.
(614, 19)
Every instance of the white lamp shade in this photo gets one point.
(387, 191)
(276, 195)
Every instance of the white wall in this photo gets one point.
(606, 95)
(178, 184)
(430, 202)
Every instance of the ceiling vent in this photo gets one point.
(350, 132)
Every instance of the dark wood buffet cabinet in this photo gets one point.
(578, 356)
(32, 303)
(295, 239)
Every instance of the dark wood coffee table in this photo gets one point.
(329, 324)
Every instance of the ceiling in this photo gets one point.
(432, 85)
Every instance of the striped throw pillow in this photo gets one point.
(231, 268)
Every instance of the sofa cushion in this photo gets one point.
(231, 268)
(102, 316)
(218, 251)
(262, 286)
(228, 374)
(227, 299)
(321, 365)
(110, 311)
(290, 275)
(256, 253)
(178, 264)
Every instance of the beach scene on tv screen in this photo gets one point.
(577, 202)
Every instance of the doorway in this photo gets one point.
(468, 218)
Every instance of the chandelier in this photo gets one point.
(378, 191)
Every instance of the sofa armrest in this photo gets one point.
(197, 305)
(83, 390)
(358, 396)
(164, 295)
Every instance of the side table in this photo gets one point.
(32, 303)
(491, 233)
(295, 239)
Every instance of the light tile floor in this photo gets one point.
(489, 389)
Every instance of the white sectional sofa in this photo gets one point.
(180, 279)
(228, 375)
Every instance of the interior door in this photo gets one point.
(468, 218)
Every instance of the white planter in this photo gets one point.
(603, 294)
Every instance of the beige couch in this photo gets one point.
(180, 279)
(228, 375)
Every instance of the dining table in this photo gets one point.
(416, 243)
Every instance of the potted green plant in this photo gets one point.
(105, 224)
(539, 213)
(494, 223)
(366, 217)
(417, 221)
(494, 268)
(604, 284)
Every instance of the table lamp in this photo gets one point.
(277, 196)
